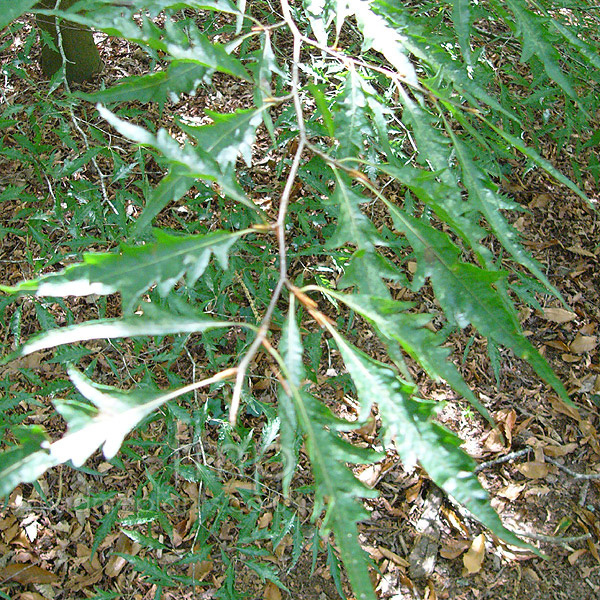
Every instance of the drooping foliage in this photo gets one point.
(396, 125)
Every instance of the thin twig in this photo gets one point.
(583, 494)
(552, 539)
(502, 459)
(574, 474)
(225, 374)
(280, 224)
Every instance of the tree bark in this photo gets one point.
(83, 58)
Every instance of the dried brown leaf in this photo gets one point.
(558, 315)
(473, 559)
(583, 343)
(271, 592)
(26, 573)
(534, 470)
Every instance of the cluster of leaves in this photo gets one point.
(374, 96)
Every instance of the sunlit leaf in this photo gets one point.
(135, 269)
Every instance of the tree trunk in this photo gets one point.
(83, 58)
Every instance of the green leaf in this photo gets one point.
(536, 41)
(471, 295)
(12, 10)
(318, 93)
(461, 19)
(181, 77)
(154, 321)
(395, 324)
(211, 55)
(352, 225)
(426, 47)
(266, 66)
(106, 524)
(149, 568)
(349, 118)
(171, 188)
(290, 347)
(367, 271)
(229, 136)
(408, 424)
(321, 14)
(538, 160)
(144, 540)
(484, 196)
(436, 152)
(267, 573)
(136, 268)
(336, 484)
(105, 424)
(590, 52)
(197, 160)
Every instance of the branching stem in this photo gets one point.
(263, 330)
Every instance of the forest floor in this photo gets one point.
(542, 472)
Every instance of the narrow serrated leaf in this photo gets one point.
(171, 188)
(291, 351)
(352, 225)
(211, 55)
(461, 19)
(534, 35)
(538, 160)
(105, 526)
(396, 324)
(336, 484)
(349, 116)
(229, 136)
(487, 200)
(197, 160)
(471, 295)
(180, 77)
(153, 322)
(135, 268)
(408, 423)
